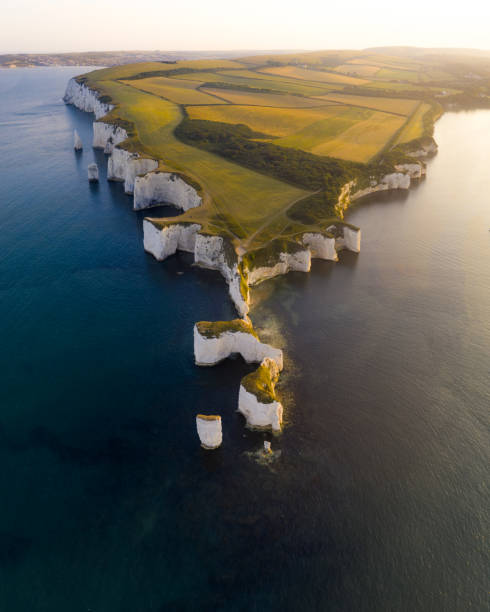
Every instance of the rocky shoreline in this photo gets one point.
(215, 341)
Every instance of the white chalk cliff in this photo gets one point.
(210, 350)
(162, 243)
(125, 166)
(85, 99)
(299, 261)
(414, 171)
(158, 187)
(107, 132)
(395, 180)
(209, 430)
(321, 246)
(258, 404)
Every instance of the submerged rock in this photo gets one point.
(209, 430)
(77, 141)
(93, 173)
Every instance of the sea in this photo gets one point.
(376, 497)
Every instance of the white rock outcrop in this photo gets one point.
(348, 238)
(105, 132)
(395, 180)
(77, 141)
(261, 410)
(159, 187)
(320, 246)
(93, 173)
(214, 253)
(414, 171)
(85, 99)
(209, 430)
(162, 243)
(299, 261)
(209, 351)
(125, 166)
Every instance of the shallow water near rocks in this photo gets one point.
(378, 499)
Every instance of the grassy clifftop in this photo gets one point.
(269, 141)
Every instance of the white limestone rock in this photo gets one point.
(257, 400)
(85, 99)
(348, 239)
(299, 261)
(209, 430)
(93, 173)
(162, 243)
(414, 171)
(395, 180)
(231, 337)
(105, 132)
(215, 253)
(125, 166)
(164, 187)
(77, 141)
(321, 246)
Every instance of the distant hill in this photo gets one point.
(111, 58)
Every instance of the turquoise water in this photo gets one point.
(379, 499)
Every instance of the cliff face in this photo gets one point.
(125, 166)
(105, 133)
(321, 246)
(286, 262)
(85, 99)
(157, 187)
(162, 243)
(215, 253)
(209, 351)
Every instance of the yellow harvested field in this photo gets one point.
(355, 134)
(415, 127)
(180, 92)
(276, 122)
(263, 99)
(313, 75)
(389, 105)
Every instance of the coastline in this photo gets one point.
(241, 269)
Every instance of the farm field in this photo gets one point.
(313, 75)
(252, 98)
(398, 106)
(183, 92)
(354, 134)
(276, 122)
(360, 70)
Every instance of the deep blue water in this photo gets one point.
(379, 500)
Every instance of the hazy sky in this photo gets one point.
(82, 25)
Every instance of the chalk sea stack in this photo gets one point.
(77, 141)
(93, 173)
(209, 430)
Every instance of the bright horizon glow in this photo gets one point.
(57, 26)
